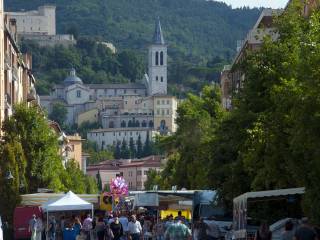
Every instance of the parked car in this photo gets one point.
(22, 216)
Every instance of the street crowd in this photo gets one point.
(118, 226)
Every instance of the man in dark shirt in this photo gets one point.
(305, 231)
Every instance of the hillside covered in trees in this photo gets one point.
(201, 36)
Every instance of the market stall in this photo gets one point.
(68, 202)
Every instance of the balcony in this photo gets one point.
(7, 62)
(15, 74)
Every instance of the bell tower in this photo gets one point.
(157, 63)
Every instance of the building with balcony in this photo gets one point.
(17, 84)
(232, 78)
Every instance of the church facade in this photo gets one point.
(145, 106)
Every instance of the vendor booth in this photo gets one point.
(240, 207)
(68, 202)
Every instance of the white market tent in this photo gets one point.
(240, 205)
(68, 202)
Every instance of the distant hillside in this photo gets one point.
(201, 36)
(197, 28)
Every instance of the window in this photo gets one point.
(114, 134)
(111, 124)
(135, 91)
(130, 133)
(163, 102)
(161, 79)
(119, 133)
(125, 91)
(145, 173)
(78, 93)
(168, 111)
(103, 143)
(139, 172)
(158, 111)
(158, 102)
(157, 58)
(126, 102)
(121, 174)
(162, 112)
(157, 78)
(137, 133)
(161, 58)
(168, 101)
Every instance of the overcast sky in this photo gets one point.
(256, 3)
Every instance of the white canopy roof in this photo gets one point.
(68, 202)
(271, 193)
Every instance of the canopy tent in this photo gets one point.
(240, 205)
(68, 202)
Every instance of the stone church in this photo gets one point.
(140, 106)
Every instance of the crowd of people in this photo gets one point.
(116, 226)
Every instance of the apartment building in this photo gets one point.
(134, 171)
(17, 84)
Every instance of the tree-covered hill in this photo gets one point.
(199, 28)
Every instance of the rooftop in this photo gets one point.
(158, 36)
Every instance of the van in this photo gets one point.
(21, 218)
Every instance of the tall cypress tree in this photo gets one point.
(139, 147)
(125, 153)
(117, 152)
(147, 151)
(132, 148)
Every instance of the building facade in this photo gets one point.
(134, 171)
(2, 92)
(17, 84)
(110, 137)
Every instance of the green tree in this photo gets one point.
(132, 147)
(117, 151)
(153, 178)
(147, 147)
(29, 127)
(59, 113)
(131, 64)
(125, 152)
(139, 147)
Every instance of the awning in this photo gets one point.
(68, 202)
(269, 194)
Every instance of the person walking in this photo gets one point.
(33, 227)
(305, 231)
(116, 228)
(52, 228)
(288, 233)
(100, 228)
(108, 233)
(134, 228)
(87, 226)
(124, 222)
(263, 233)
(39, 228)
(178, 231)
(159, 229)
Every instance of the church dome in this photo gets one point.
(72, 78)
